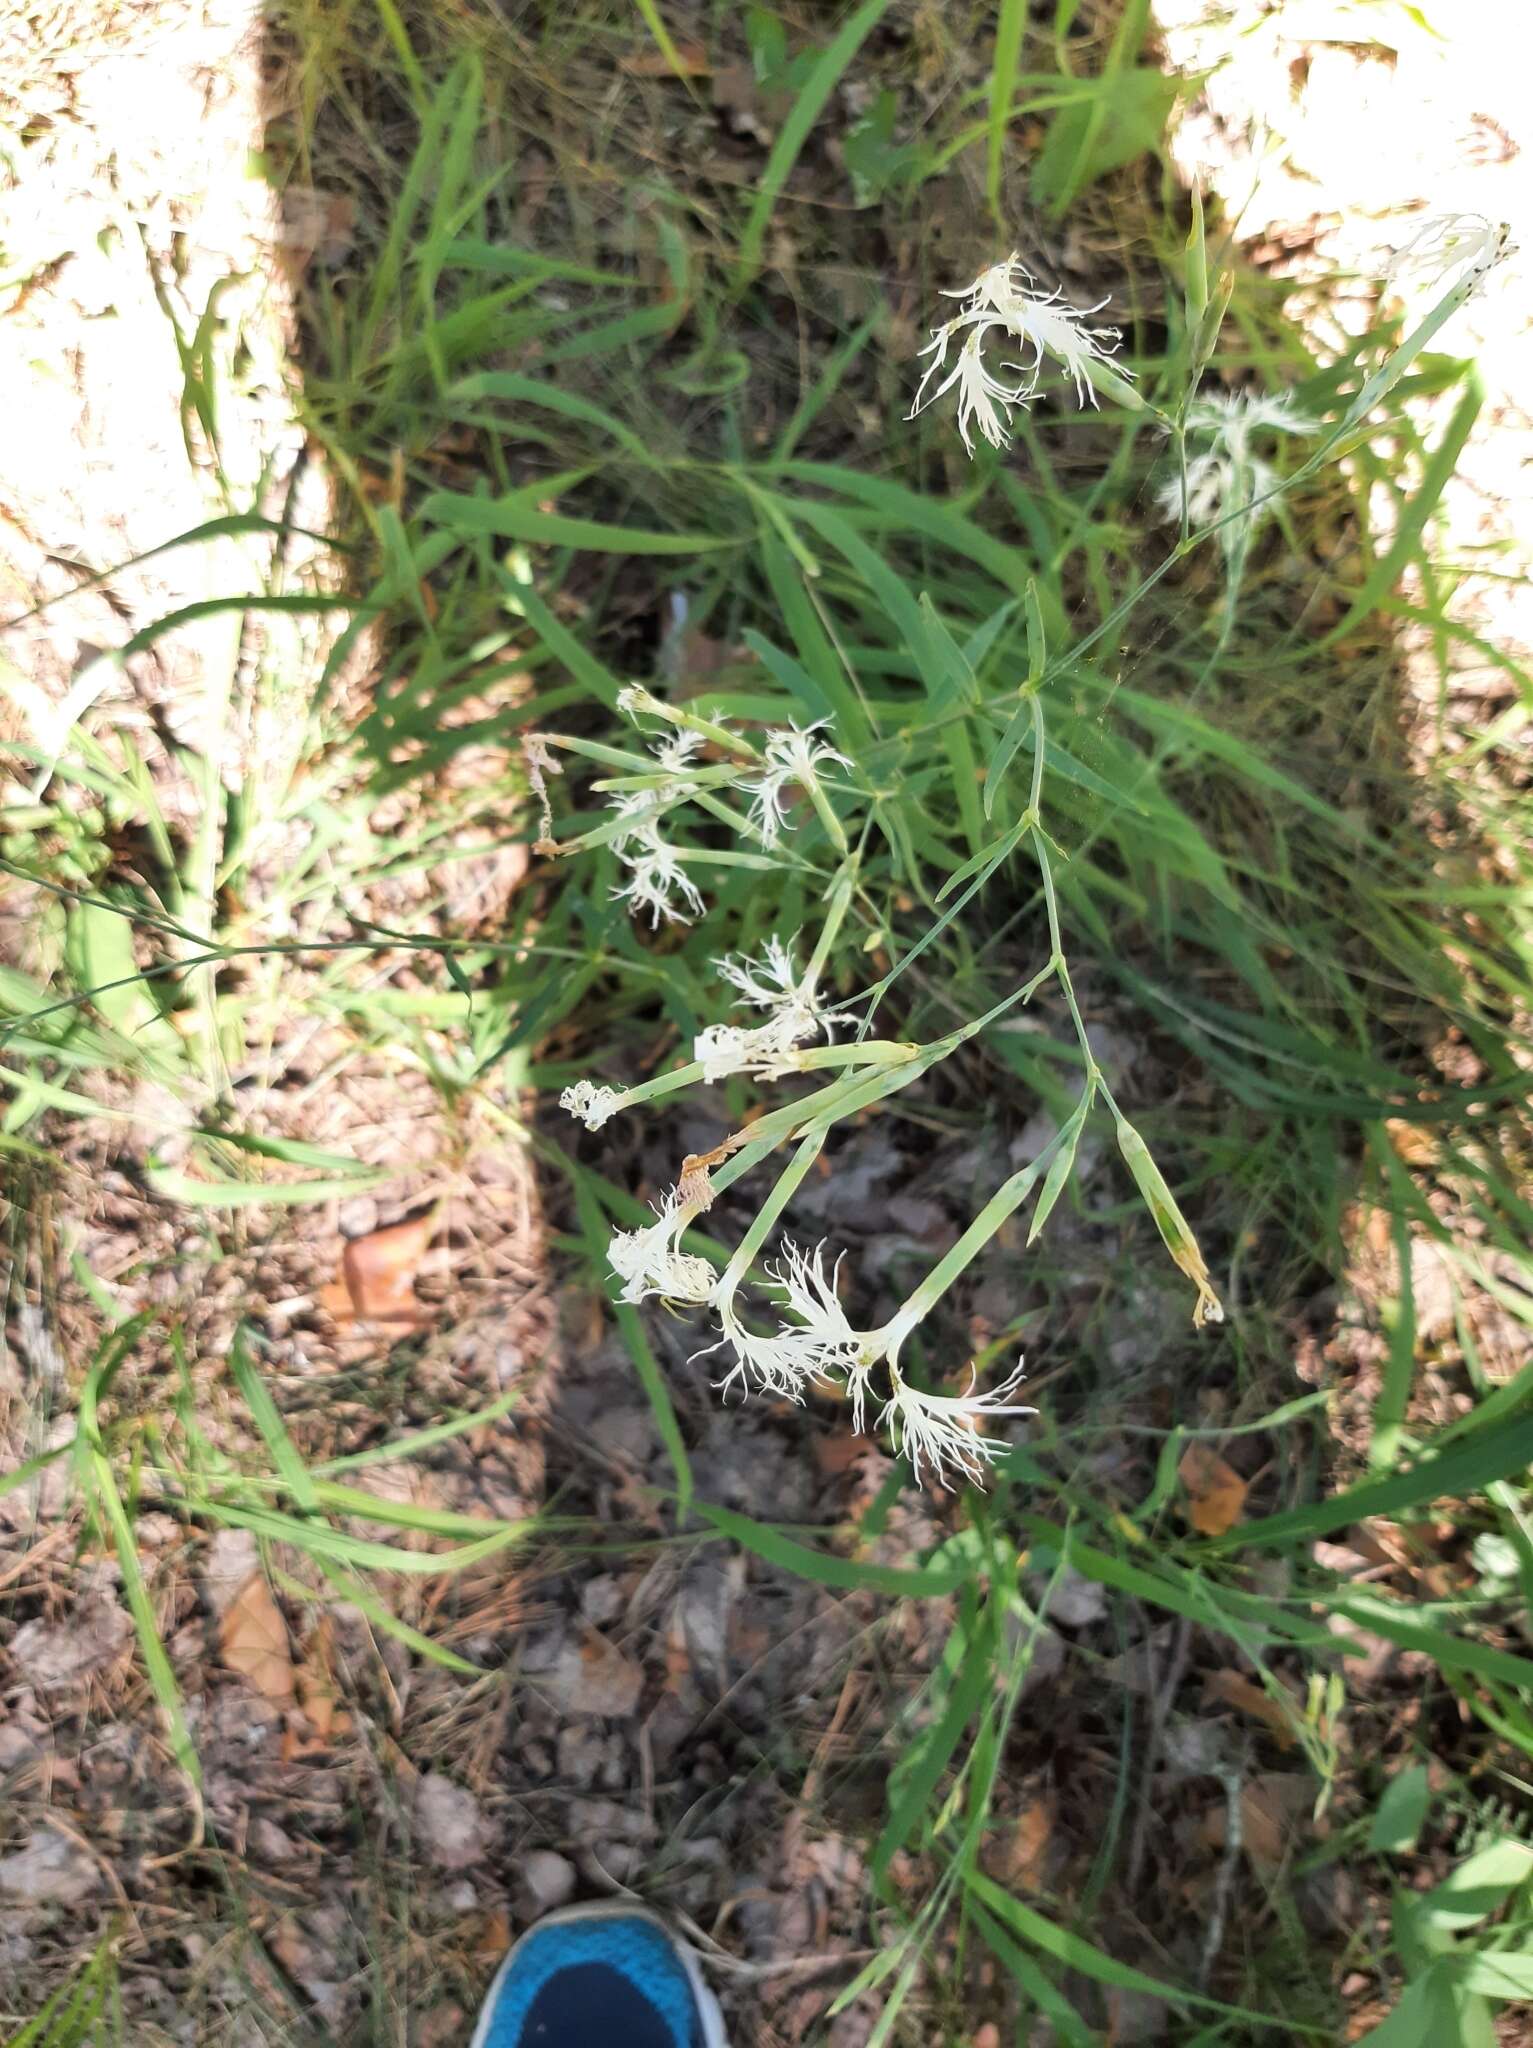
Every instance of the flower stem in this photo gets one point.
(662, 1084)
(828, 817)
(1009, 1196)
(837, 903)
(744, 1254)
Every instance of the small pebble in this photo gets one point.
(548, 1879)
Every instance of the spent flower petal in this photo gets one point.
(650, 1261)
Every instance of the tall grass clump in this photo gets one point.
(879, 716)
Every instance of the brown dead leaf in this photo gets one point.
(494, 1937)
(1028, 1845)
(840, 1450)
(1232, 1689)
(252, 1639)
(692, 62)
(1270, 1805)
(378, 1272)
(317, 1693)
(1216, 1493)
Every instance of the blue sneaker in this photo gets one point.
(599, 1977)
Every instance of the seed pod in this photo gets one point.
(1170, 1221)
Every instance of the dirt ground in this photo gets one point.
(662, 1714)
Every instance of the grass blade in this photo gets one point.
(921, 1582)
(794, 133)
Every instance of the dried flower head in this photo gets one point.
(592, 1102)
(540, 764)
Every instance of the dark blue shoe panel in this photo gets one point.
(591, 2005)
(609, 1982)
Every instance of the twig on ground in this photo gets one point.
(1162, 1697)
(1232, 1778)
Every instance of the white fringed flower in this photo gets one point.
(1232, 417)
(1003, 298)
(780, 1365)
(1229, 476)
(983, 400)
(635, 702)
(657, 882)
(767, 983)
(656, 878)
(795, 1016)
(678, 748)
(1216, 484)
(942, 1432)
(1466, 243)
(650, 1261)
(811, 1296)
(791, 756)
(820, 1344)
(1051, 328)
(592, 1102)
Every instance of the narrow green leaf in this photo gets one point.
(518, 516)
(1399, 1317)
(1075, 1953)
(1465, 1468)
(175, 1186)
(976, 1680)
(1011, 25)
(1059, 1169)
(817, 88)
(1401, 1811)
(662, 35)
(162, 1679)
(540, 391)
(1034, 1983)
(915, 1582)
